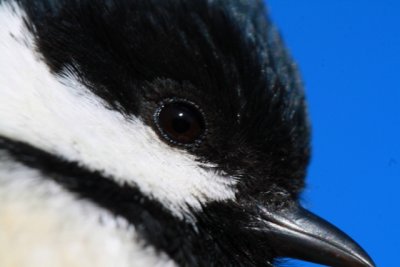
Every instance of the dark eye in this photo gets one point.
(180, 122)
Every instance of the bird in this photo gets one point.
(154, 133)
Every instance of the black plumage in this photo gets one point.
(226, 57)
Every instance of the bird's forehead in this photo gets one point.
(223, 55)
(109, 65)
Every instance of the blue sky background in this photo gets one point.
(348, 53)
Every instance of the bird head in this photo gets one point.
(185, 118)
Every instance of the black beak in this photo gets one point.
(297, 233)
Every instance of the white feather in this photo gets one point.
(41, 225)
(59, 115)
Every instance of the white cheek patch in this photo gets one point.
(42, 225)
(61, 116)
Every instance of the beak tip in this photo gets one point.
(365, 260)
(297, 233)
(356, 256)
